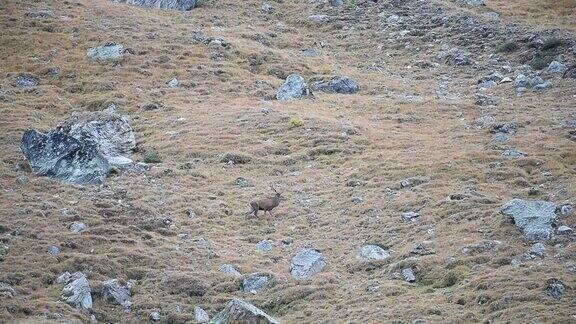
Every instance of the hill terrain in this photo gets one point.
(460, 110)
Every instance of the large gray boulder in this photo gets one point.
(240, 311)
(77, 292)
(306, 263)
(293, 88)
(182, 5)
(338, 84)
(112, 290)
(533, 217)
(81, 150)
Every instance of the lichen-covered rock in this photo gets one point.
(240, 311)
(81, 150)
(112, 290)
(533, 217)
(6, 290)
(338, 84)
(373, 252)
(77, 292)
(200, 315)
(255, 282)
(306, 263)
(26, 80)
(181, 5)
(293, 88)
(107, 52)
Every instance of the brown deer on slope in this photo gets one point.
(265, 204)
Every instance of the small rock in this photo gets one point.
(107, 52)
(474, 3)
(183, 236)
(22, 180)
(172, 83)
(338, 84)
(77, 292)
(64, 278)
(336, 3)
(267, 8)
(112, 290)
(487, 84)
(408, 275)
(543, 86)
(373, 252)
(255, 282)
(228, 268)
(264, 245)
(506, 80)
(155, 316)
(310, 52)
(293, 88)
(77, 227)
(357, 200)
(508, 128)
(534, 218)
(513, 153)
(537, 249)
(556, 67)
(306, 263)
(242, 183)
(42, 14)
(500, 138)
(27, 80)
(424, 248)
(54, 250)
(393, 19)
(373, 288)
(240, 311)
(410, 216)
(564, 230)
(565, 209)
(521, 81)
(555, 288)
(6, 290)
(200, 315)
(319, 18)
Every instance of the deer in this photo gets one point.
(265, 204)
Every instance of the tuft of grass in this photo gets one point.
(295, 122)
(552, 43)
(113, 171)
(539, 62)
(152, 157)
(507, 47)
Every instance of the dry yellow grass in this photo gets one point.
(217, 109)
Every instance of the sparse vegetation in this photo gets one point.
(295, 122)
(151, 157)
(508, 47)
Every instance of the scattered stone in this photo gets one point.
(564, 230)
(293, 88)
(200, 315)
(64, 278)
(27, 80)
(513, 153)
(267, 8)
(487, 85)
(484, 121)
(543, 86)
(310, 52)
(77, 292)
(264, 245)
(240, 311)
(228, 268)
(408, 275)
(216, 56)
(474, 3)
(555, 288)
(172, 83)
(373, 288)
(255, 282)
(538, 250)
(242, 183)
(556, 67)
(357, 200)
(481, 247)
(54, 250)
(155, 316)
(570, 73)
(112, 290)
(534, 218)
(393, 20)
(521, 81)
(424, 248)
(373, 252)
(306, 263)
(508, 128)
(181, 5)
(411, 182)
(506, 80)
(485, 100)
(6, 290)
(183, 236)
(77, 227)
(42, 14)
(319, 18)
(410, 216)
(338, 84)
(230, 158)
(107, 52)
(500, 138)
(22, 180)
(336, 3)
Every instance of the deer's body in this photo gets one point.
(265, 204)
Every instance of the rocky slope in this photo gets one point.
(425, 153)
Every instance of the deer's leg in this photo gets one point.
(270, 212)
